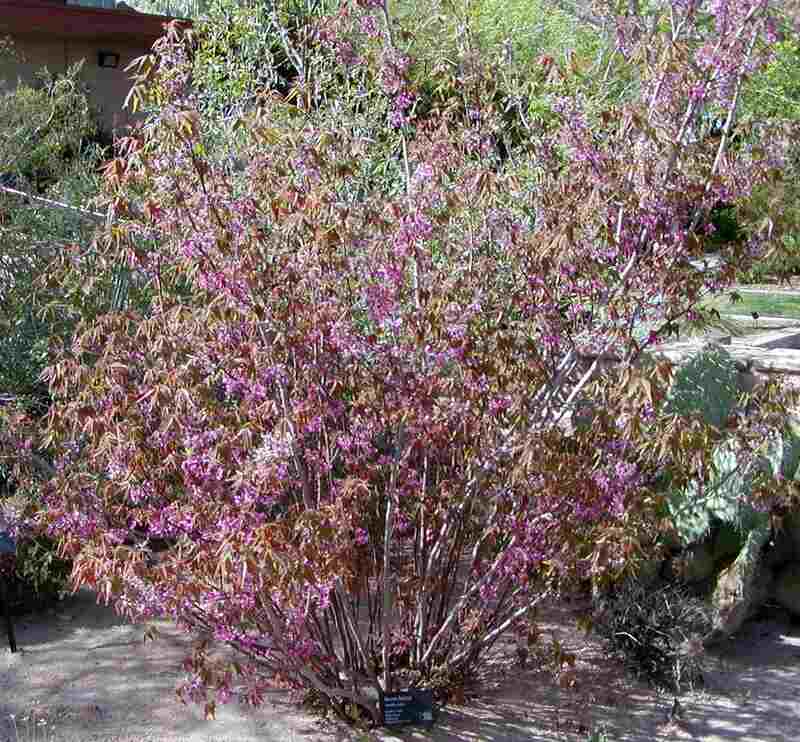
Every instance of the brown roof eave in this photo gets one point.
(26, 18)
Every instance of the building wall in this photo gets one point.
(108, 87)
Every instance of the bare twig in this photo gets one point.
(50, 203)
(388, 585)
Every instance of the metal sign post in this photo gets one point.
(8, 547)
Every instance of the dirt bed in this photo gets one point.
(90, 677)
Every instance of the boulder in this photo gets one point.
(780, 550)
(791, 527)
(741, 588)
(787, 588)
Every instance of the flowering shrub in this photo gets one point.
(348, 404)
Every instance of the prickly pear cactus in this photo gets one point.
(708, 384)
(790, 451)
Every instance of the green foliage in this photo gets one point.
(23, 348)
(727, 227)
(537, 50)
(175, 8)
(598, 735)
(726, 496)
(40, 576)
(514, 33)
(31, 240)
(44, 128)
(782, 263)
(236, 58)
(531, 29)
(248, 49)
(47, 144)
(775, 92)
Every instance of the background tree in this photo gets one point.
(50, 150)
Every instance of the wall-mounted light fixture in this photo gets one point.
(108, 59)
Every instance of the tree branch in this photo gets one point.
(93, 216)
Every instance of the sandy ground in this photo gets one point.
(88, 674)
(751, 694)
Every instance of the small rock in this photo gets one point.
(740, 589)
